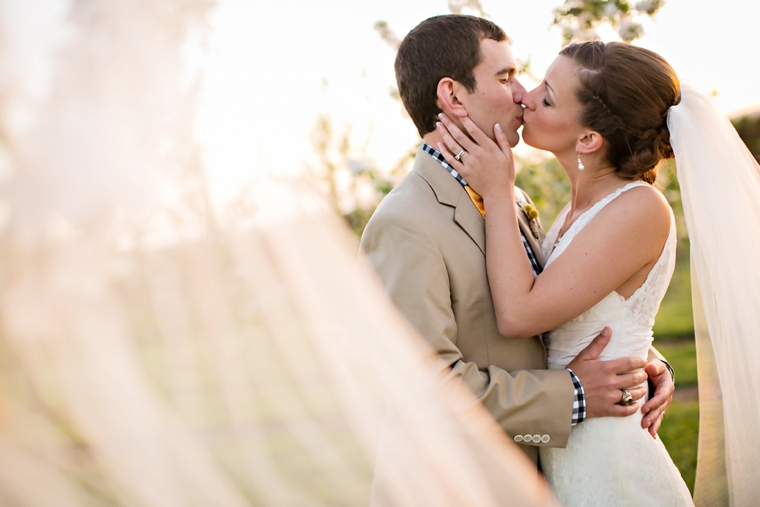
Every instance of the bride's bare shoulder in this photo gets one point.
(649, 196)
(645, 203)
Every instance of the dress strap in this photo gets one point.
(586, 217)
(551, 238)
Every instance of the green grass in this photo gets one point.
(675, 319)
(674, 338)
(680, 429)
(682, 356)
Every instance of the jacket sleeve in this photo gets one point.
(655, 354)
(537, 403)
(651, 356)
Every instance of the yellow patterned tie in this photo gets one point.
(476, 200)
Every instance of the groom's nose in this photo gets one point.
(518, 91)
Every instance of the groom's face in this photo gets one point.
(498, 94)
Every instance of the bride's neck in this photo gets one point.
(582, 185)
(591, 182)
(589, 185)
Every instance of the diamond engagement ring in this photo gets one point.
(627, 398)
(459, 156)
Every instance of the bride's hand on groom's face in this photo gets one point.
(487, 166)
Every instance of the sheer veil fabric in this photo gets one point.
(720, 190)
(217, 363)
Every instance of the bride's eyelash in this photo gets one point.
(545, 102)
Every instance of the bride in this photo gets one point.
(602, 110)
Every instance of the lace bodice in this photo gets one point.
(630, 319)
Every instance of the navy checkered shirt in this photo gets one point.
(579, 403)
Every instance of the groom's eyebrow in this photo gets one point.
(506, 70)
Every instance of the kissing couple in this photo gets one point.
(553, 332)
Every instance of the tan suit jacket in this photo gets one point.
(427, 242)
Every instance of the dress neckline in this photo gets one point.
(573, 230)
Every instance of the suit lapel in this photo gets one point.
(449, 192)
(470, 220)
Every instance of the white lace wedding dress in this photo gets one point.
(612, 461)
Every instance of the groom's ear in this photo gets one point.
(590, 142)
(448, 97)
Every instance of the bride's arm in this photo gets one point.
(625, 239)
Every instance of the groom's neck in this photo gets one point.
(432, 139)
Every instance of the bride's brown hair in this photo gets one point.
(625, 92)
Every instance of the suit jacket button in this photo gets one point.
(518, 438)
(527, 437)
(536, 439)
(545, 439)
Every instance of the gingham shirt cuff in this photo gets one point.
(579, 402)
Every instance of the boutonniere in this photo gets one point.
(531, 213)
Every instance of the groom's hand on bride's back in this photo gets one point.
(603, 381)
(664, 387)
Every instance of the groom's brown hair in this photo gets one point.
(441, 46)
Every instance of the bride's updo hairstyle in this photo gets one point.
(625, 93)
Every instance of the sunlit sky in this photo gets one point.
(274, 67)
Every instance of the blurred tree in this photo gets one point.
(351, 182)
(544, 180)
(388, 35)
(579, 19)
(748, 127)
(667, 182)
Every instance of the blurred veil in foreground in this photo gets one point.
(153, 355)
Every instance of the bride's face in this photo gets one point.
(551, 110)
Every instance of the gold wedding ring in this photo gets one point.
(627, 398)
(460, 155)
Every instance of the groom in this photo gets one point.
(427, 243)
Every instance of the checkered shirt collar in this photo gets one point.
(437, 155)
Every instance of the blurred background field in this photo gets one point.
(674, 338)
(680, 429)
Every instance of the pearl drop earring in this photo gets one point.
(580, 164)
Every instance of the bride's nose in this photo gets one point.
(529, 100)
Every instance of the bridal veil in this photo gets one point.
(720, 191)
(154, 353)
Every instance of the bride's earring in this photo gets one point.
(580, 164)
